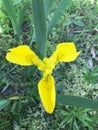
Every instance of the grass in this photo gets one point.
(79, 24)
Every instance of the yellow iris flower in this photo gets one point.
(23, 55)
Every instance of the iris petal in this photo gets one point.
(47, 93)
(21, 55)
(66, 52)
(24, 56)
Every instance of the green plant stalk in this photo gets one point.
(40, 26)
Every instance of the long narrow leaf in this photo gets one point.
(77, 101)
(4, 103)
(63, 5)
(16, 17)
(22, 12)
(40, 26)
(48, 6)
(11, 13)
(10, 8)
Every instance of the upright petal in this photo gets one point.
(49, 64)
(66, 52)
(47, 93)
(53, 60)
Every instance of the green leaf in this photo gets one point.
(21, 13)
(77, 101)
(9, 7)
(91, 76)
(16, 17)
(67, 23)
(63, 5)
(79, 23)
(48, 6)
(15, 2)
(1, 28)
(4, 103)
(75, 125)
(40, 26)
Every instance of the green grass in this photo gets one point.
(79, 24)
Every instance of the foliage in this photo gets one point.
(16, 14)
(91, 75)
(76, 118)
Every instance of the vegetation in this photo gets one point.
(20, 106)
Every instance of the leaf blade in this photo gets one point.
(63, 5)
(4, 103)
(48, 6)
(40, 26)
(77, 101)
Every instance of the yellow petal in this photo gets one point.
(47, 93)
(23, 55)
(49, 64)
(66, 52)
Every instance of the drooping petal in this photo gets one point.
(47, 93)
(23, 55)
(66, 52)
